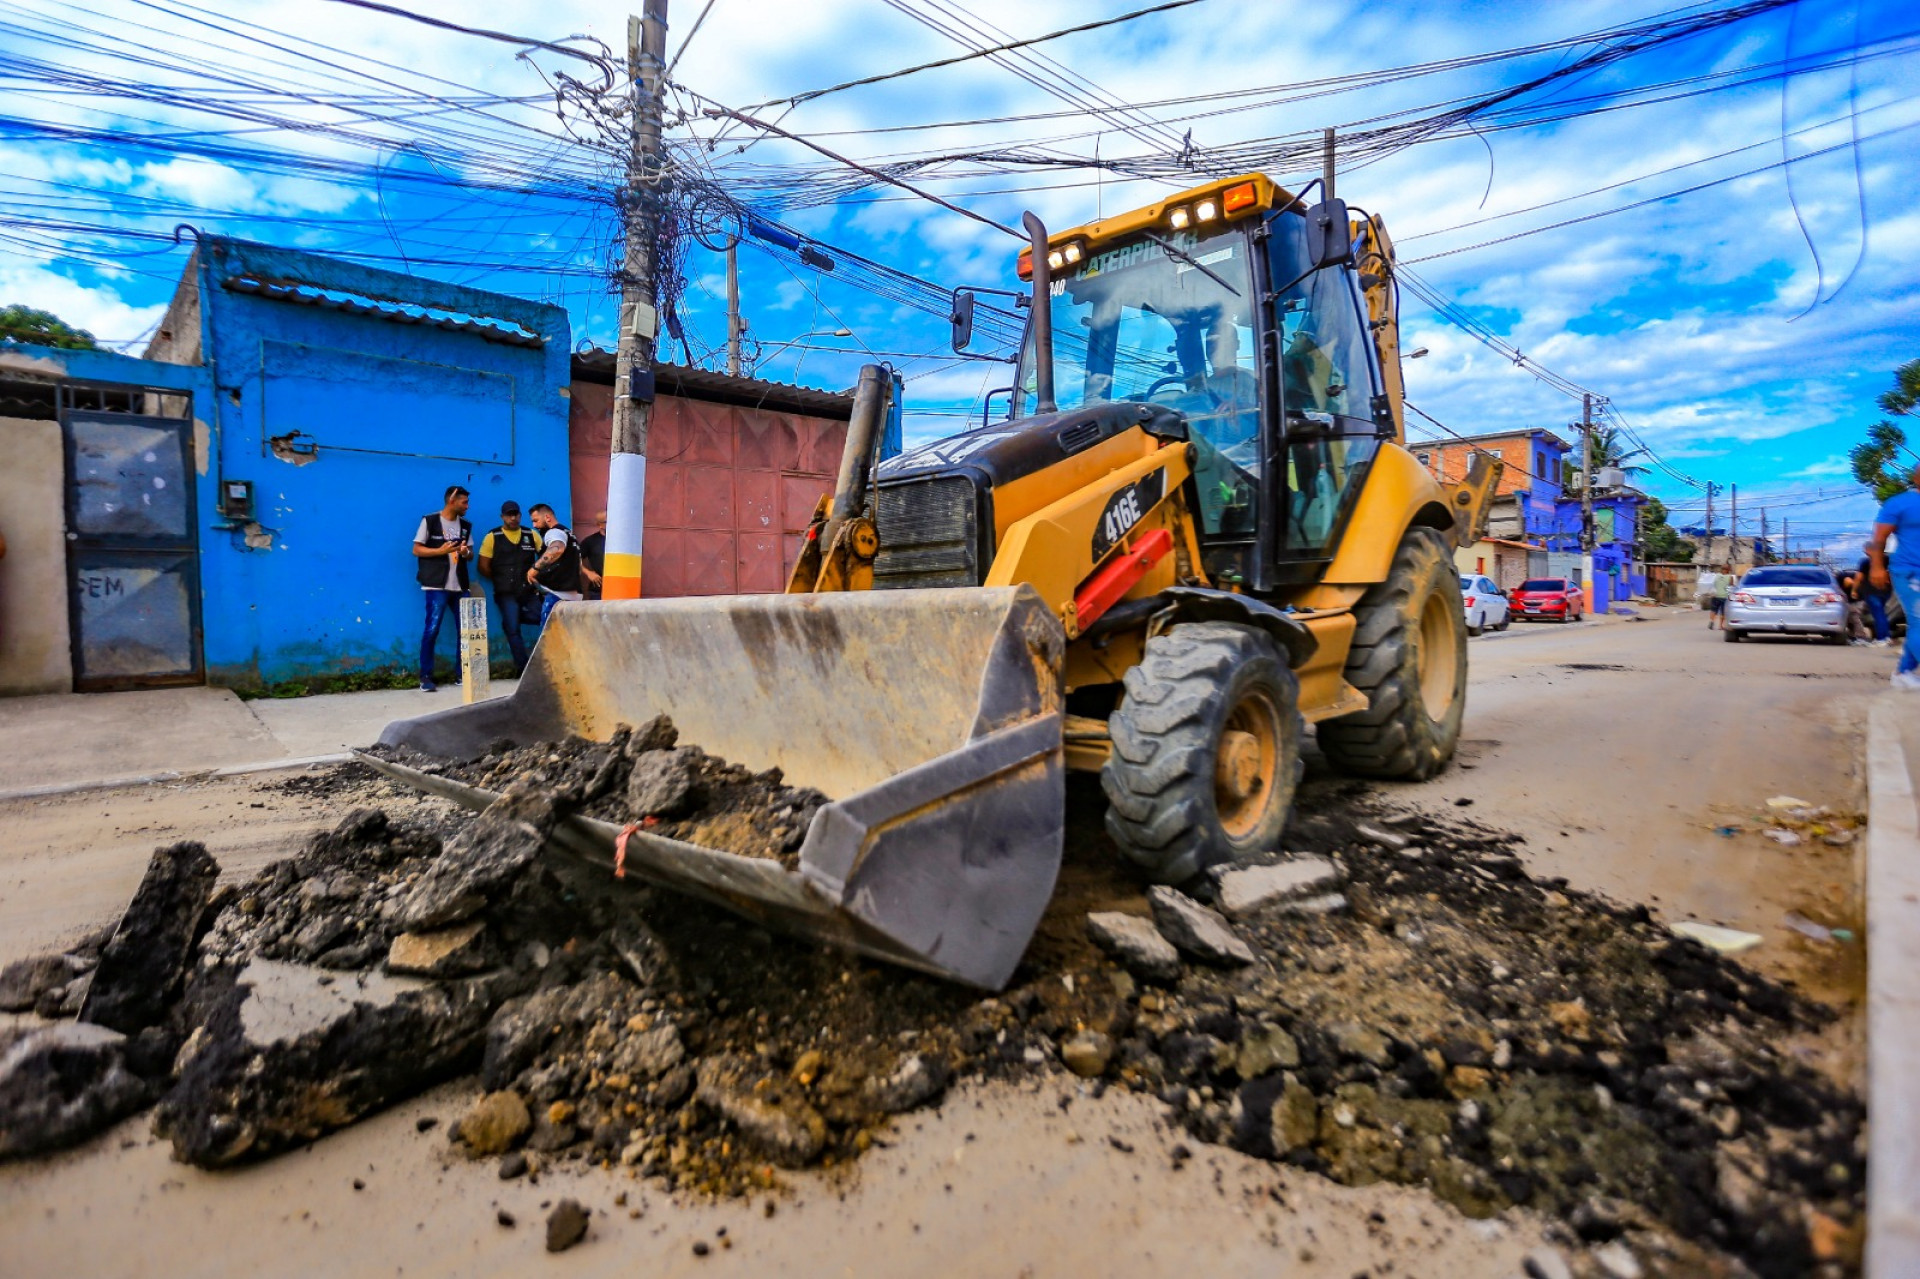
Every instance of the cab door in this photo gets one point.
(1327, 379)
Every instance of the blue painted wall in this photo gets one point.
(392, 412)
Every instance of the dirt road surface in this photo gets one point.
(1616, 750)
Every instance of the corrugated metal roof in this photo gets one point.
(595, 365)
(492, 330)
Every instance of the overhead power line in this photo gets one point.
(811, 94)
(602, 62)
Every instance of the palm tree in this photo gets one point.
(1609, 449)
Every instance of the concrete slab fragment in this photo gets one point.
(1248, 889)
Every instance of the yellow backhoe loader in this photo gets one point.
(1196, 532)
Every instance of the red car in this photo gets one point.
(1549, 599)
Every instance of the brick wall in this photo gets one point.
(1449, 461)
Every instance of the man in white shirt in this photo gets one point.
(558, 568)
(442, 545)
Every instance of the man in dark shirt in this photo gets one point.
(506, 554)
(556, 574)
(593, 556)
(442, 545)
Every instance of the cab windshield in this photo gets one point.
(1168, 319)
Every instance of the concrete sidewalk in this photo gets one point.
(75, 741)
(334, 722)
(1893, 986)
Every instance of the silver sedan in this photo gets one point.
(1787, 599)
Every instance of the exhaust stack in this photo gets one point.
(1042, 315)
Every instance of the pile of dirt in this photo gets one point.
(1445, 1020)
(1397, 1000)
(643, 776)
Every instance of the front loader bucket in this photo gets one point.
(931, 720)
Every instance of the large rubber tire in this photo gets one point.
(1206, 751)
(1409, 656)
(1731, 636)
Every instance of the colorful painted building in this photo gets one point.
(238, 507)
(1532, 507)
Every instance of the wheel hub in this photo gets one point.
(1436, 650)
(1245, 765)
(1239, 769)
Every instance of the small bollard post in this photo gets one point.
(476, 667)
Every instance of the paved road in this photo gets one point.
(1617, 750)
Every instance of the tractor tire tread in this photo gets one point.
(1159, 777)
(1395, 737)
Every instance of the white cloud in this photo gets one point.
(202, 182)
(99, 310)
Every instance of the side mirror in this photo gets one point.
(1329, 234)
(962, 318)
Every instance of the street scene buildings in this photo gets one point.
(908, 639)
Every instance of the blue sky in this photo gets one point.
(1742, 338)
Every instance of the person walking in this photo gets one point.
(556, 574)
(1717, 592)
(1899, 519)
(442, 545)
(593, 556)
(506, 553)
(1852, 588)
(1874, 598)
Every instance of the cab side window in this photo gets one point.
(1323, 348)
(1327, 388)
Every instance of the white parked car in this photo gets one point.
(1486, 604)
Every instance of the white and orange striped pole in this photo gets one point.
(639, 321)
(626, 496)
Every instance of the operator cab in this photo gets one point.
(1217, 306)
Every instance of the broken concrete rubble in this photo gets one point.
(1243, 890)
(1195, 930)
(914, 1082)
(662, 783)
(566, 1225)
(481, 863)
(496, 1124)
(25, 982)
(1087, 1053)
(284, 1054)
(447, 952)
(772, 1115)
(1136, 944)
(61, 1084)
(142, 966)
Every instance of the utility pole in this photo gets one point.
(1733, 526)
(1710, 487)
(1586, 498)
(1786, 540)
(639, 317)
(735, 329)
(1763, 535)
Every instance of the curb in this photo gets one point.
(55, 789)
(1893, 999)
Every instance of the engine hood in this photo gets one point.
(1004, 451)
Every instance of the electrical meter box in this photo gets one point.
(236, 499)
